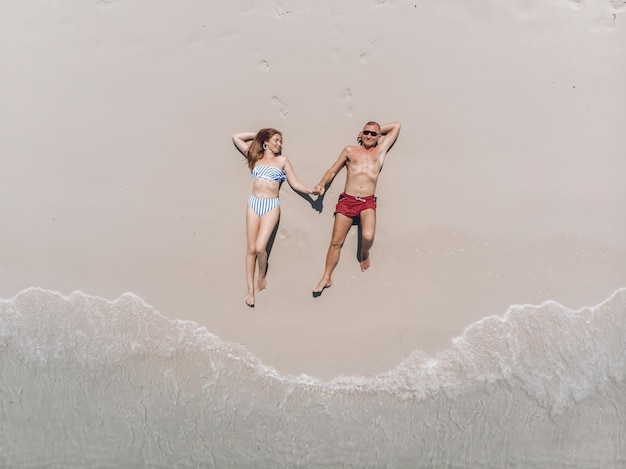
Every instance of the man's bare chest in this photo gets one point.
(363, 164)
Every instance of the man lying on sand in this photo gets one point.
(357, 202)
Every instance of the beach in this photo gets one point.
(501, 181)
(504, 192)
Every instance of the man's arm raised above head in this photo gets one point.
(390, 134)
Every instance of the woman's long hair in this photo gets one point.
(256, 150)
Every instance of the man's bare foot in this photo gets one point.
(261, 284)
(365, 262)
(250, 300)
(321, 286)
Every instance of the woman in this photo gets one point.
(269, 170)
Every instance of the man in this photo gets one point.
(357, 203)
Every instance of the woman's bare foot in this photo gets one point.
(321, 286)
(261, 284)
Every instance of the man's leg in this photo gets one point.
(340, 231)
(368, 228)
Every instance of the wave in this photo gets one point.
(93, 382)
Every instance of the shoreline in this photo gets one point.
(353, 328)
(325, 378)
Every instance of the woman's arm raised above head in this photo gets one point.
(242, 141)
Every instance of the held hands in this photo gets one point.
(318, 190)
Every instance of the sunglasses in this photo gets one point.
(369, 132)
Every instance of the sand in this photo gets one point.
(504, 187)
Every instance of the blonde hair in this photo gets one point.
(256, 150)
(373, 123)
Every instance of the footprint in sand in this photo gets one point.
(368, 56)
(346, 98)
(335, 18)
(282, 107)
(281, 13)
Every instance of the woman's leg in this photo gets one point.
(253, 222)
(267, 224)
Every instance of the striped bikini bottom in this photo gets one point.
(262, 206)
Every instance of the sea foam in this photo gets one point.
(91, 382)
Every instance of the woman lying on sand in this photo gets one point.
(270, 168)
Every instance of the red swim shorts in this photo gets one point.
(351, 206)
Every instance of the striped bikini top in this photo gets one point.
(268, 172)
